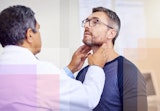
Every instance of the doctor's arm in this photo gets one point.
(87, 94)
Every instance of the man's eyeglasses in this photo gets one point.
(93, 22)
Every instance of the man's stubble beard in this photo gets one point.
(91, 43)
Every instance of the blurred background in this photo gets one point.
(139, 38)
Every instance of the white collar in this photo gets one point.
(18, 51)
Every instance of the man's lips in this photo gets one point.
(87, 33)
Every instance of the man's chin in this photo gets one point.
(90, 44)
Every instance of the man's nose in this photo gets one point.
(86, 25)
(86, 29)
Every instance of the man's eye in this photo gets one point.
(95, 21)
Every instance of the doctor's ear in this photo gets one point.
(29, 35)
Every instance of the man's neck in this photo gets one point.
(112, 54)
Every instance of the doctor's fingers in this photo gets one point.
(83, 49)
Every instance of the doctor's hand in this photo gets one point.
(100, 57)
(79, 58)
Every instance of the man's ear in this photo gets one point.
(29, 35)
(112, 33)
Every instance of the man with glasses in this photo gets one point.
(124, 88)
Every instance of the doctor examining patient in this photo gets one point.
(96, 86)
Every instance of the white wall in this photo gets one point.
(59, 28)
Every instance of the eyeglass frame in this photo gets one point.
(97, 21)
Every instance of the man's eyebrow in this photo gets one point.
(92, 18)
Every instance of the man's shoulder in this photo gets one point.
(129, 66)
(131, 72)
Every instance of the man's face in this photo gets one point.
(96, 35)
